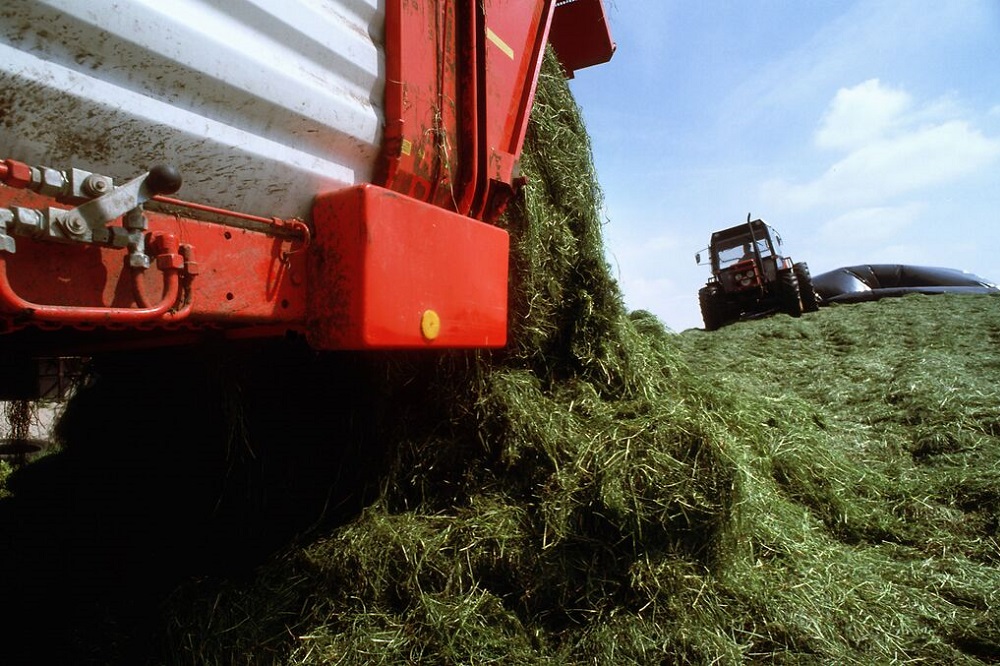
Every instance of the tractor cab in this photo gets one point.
(747, 256)
(743, 246)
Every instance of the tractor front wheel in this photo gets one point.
(810, 301)
(714, 309)
(789, 295)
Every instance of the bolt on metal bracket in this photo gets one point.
(88, 222)
(7, 243)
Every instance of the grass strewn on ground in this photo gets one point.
(873, 428)
(763, 500)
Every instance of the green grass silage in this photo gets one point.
(871, 505)
(821, 490)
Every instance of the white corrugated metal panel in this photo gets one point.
(261, 104)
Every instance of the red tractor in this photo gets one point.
(751, 277)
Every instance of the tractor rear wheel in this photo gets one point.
(788, 295)
(810, 301)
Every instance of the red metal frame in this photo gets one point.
(581, 35)
(384, 264)
(11, 301)
(461, 79)
(424, 149)
(240, 278)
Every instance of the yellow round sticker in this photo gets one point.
(430, 324)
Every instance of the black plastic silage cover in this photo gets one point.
(869, 282)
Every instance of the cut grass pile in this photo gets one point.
(819, 490)
(822, 490)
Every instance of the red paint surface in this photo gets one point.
(379, 260)
(461, 81)
(581, 35)
(244, 277)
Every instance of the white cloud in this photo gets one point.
(865, 226)
(870, 36)
(891, 150)
(860, 115)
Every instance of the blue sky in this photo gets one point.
(864, 131)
